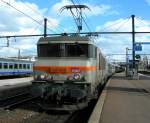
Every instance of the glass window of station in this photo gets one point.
(67, 50)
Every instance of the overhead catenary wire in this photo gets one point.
(35, 28)
(88, 21)
(140, 24)
(118, 23)
(86, 25)
(122, 24)
(24, 14)
(61, 28)
(111, 25)
(141, 21)
(21, 12)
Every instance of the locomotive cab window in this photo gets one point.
(66, 50)
(77, 50)
(49, 50)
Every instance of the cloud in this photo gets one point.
(148, 2)
(56, 8)
(10, 52)
(101, 9)
(116, 44)
(95, 9)
(13, 22)
(120, 24)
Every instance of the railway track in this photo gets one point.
(28, 112)
(13, 101)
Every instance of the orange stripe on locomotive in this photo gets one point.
(64, 69)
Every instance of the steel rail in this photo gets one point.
(19, 102)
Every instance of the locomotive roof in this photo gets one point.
(62, 39)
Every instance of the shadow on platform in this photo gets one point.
(119, 77)
(125, 89)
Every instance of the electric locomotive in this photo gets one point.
(68, 72)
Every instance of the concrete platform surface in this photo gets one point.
(10, 82)
(127, 101)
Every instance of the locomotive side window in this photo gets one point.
(5, 65)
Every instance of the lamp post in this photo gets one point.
(127, 61)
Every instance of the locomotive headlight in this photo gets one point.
(70, 78)
(77, 76)
(42, 76)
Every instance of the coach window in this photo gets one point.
(10, 66)
(0, 65)
(28, 66)
(5, 65)
(24, 66)
(16, 66)
(20, 66)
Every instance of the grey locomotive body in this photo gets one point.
(69, 70)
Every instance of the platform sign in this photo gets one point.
(138, 47)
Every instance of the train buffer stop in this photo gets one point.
(123, 100)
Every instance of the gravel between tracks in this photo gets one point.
(15, 116)
(28, 115)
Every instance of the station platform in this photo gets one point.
(12, 87)
(15, 81)
(123, 101)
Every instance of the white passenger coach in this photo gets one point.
(12, 67)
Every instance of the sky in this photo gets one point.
(23, 17)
